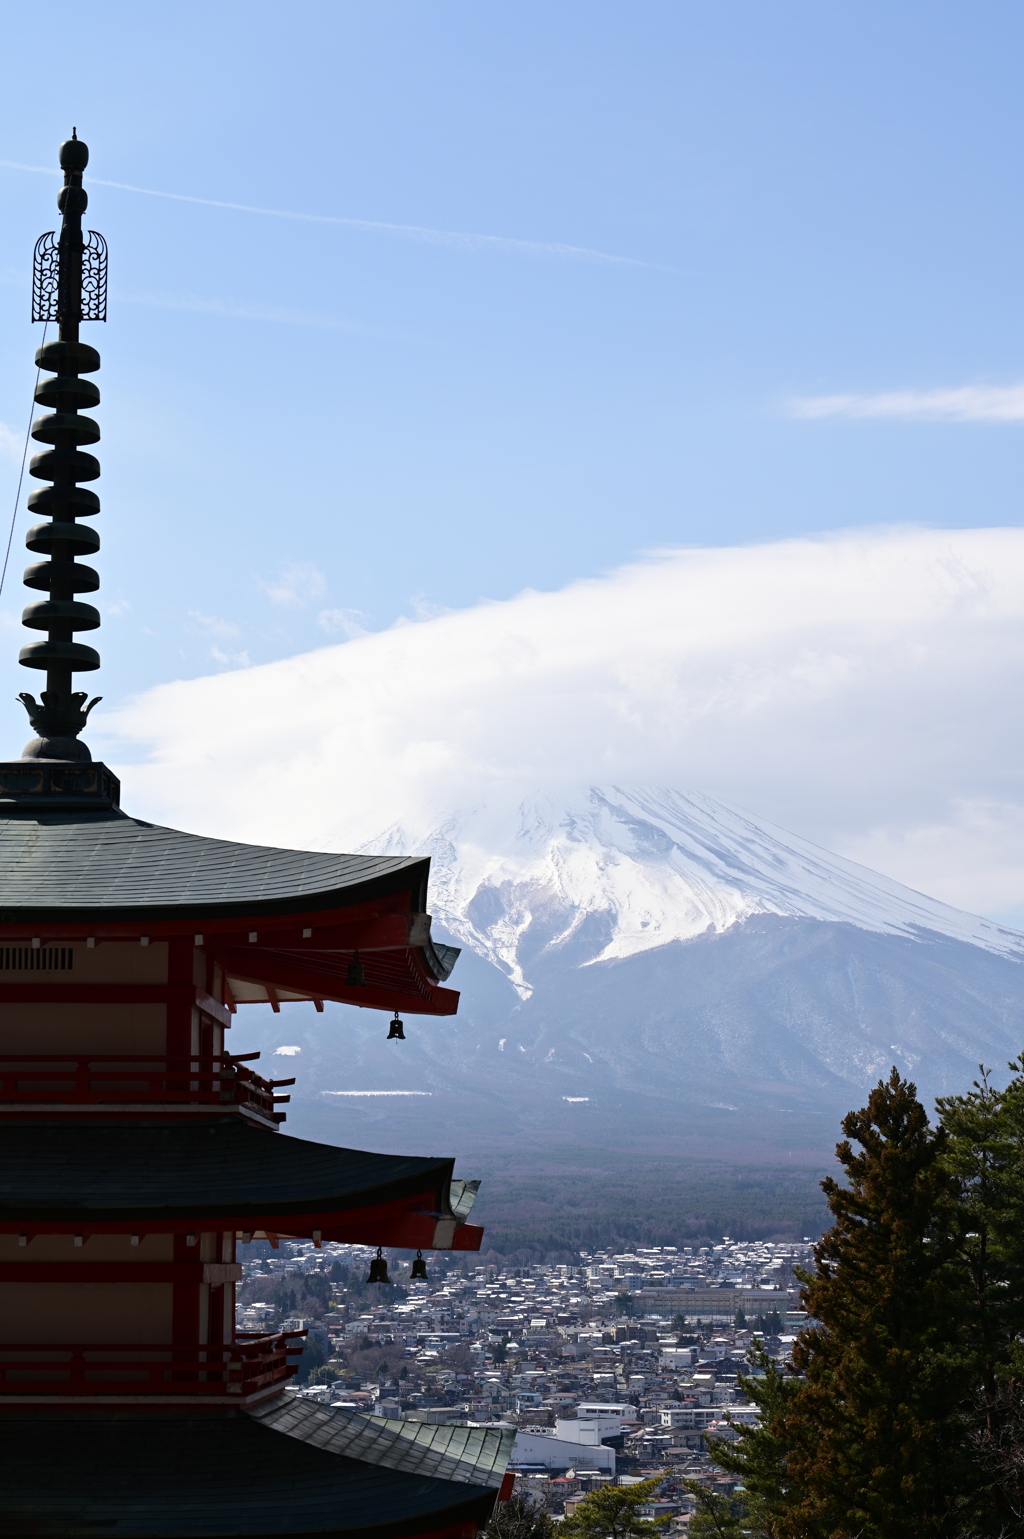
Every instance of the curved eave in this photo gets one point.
(397, 977)
(410, 876)
(67, 867)
(470, 1455)
(219, 1476)
(217, 1171)
(283, 924)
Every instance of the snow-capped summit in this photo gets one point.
(655, 972)
(610, 872)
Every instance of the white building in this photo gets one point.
(691, 1417)
(540, 1450)
(577, 1441)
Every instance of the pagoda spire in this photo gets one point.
(69, 285)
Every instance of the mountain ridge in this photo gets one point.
(659, 975)
(643, 867)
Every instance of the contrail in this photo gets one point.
(464, 239)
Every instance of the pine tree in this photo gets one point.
(757, 1456)
(610, 1512)
(985, 1155)
(875, 1449)
(718, 1517)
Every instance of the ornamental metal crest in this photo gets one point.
(46, 278)
(45, 275)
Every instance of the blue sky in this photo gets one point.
(304, 420)
(558, 286)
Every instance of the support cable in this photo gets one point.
(21, 472)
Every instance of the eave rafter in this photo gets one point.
(283, 957)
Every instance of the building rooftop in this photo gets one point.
(289, 1469)
(105, 865)
(118, 1171)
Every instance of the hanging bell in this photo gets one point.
(378, 1269)
(397, 1032)
(356, 975)
(419, 1268)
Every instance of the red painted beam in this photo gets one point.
(467, 1237)
(413, 991)
(121, 1271)
(408, 1223)
(235, 928)
(47, 993)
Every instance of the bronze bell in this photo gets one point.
(356, 975)
(419, 1268)
(378, 1269)
(397, 1032)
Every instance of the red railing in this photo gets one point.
(80, 1079)
(250, 1363)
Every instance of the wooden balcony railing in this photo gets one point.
(70, 1079)
(252, 1362)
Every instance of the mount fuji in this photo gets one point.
(655, 970)
(612, 873)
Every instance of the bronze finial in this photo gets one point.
(69, 285)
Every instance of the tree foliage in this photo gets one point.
(985, 1157)
(323, 1375)
(611, 1512)
(521, 1517)
(314, 1356)
(875, 1448)
(718, 1517)
(757, 1454)
(316, 1285)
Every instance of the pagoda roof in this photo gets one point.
(287, 1468)
(224, 1174)
(470, 1455)
(65, 866)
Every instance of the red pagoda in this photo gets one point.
(136, 1150)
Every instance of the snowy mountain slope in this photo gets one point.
(609, 873)
(655, 971)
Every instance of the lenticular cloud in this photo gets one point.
(861, 690)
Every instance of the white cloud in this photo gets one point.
(297, 585)
(342, 621)
(224, 630)
(229, 659)
(12, 443)
(286, 1052)
(424, 609)
(213, 625)
(965, 403)
(861, 690)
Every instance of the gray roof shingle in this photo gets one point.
(467, 1455)
(69, 1171)
(107, 865)
(160, 1476)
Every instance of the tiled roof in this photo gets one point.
(66, 1171)
(467, 1455)
(63, 865)
(70, 1474)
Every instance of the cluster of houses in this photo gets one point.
(613, 1369)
